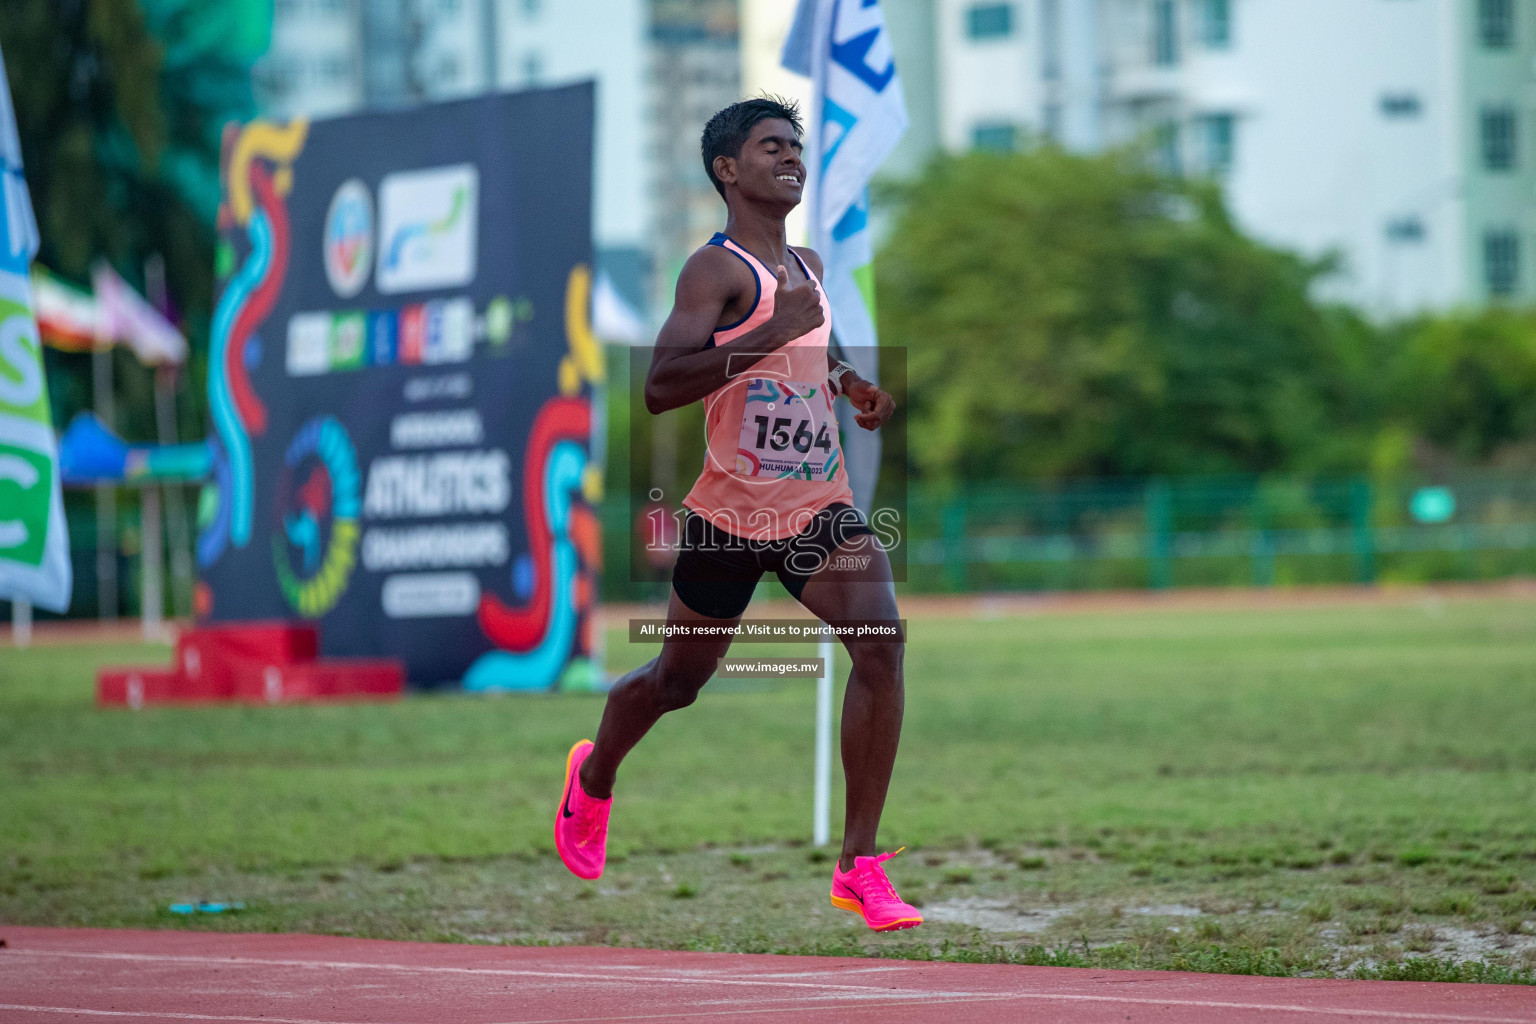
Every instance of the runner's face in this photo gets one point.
(769, 167)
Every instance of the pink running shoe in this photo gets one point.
(581, 823)
(866, 891)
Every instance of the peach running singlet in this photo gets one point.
(774, 458)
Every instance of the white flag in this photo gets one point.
(126, 317)
(857, 118)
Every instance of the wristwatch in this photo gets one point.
(835, 378)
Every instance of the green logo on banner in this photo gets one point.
(26, 488)
(26, 475)
(21, 363)
(33, 557)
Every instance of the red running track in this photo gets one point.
(49, 975)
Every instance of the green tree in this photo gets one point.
(1464, 386)
(119, 107)
(1088, 316)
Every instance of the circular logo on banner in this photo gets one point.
(349, 238)
(318, 504)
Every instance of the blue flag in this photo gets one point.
(857, 118)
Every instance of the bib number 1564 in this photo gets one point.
(781, 439)
(787, 431)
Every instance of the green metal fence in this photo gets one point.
(1259, 531)
(1200, 531)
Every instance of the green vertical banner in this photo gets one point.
(34, 544)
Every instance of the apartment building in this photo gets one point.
(1396, 133)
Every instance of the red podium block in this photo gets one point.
(274, 643)
(350, 678)
(331, 679)
(268, 684)
(256, 662)
(135, 687)
(230, 661)
(203, 668)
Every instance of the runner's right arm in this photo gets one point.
(682, 370)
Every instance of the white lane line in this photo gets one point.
(857, 990)
(495, 972)
(1045, 997)
(1439, 1018)
(267, 1019)
(163, 1014)
(802, 1010)
(1381, 1015)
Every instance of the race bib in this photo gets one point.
(787, 432)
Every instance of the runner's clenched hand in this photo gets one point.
(796, 307)
(874, 405)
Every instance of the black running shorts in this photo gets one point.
(716, 571)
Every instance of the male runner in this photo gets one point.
(748, 335)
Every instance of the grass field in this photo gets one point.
(1325, 790)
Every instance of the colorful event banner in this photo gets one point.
(34, 545)
(401, 382)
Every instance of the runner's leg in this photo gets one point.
(845, 591)
(667, 682)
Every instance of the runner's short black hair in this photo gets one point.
(727, 131)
